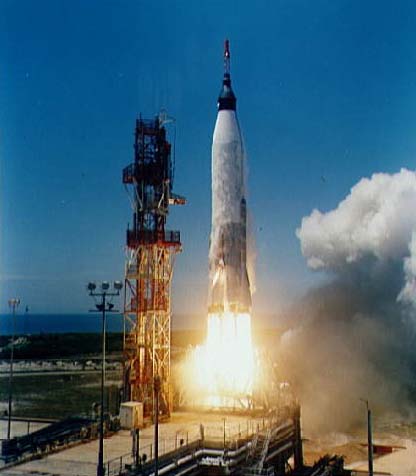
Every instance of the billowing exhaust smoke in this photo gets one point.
(354, 337)
(371, 228)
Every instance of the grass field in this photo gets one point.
(58, 396)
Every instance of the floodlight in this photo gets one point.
(118, 285)
(91, 286)
(105, 285)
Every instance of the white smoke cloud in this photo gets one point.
(355, 330)
(374, 225)
(408, 293)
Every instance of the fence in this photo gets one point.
(20, 427)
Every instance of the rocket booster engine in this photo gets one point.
(230, 286)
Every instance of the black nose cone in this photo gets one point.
(227, 99)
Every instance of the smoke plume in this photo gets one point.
(354, 337)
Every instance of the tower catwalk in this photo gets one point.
(149, 266)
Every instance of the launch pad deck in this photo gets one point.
(181, 430)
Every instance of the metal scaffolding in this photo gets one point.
(149, 265)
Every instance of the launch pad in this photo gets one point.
(220, 374)
(190, 443)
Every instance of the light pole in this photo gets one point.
(369, 438)
(13, 304)
(103, 306)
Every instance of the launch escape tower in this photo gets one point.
(149, 265)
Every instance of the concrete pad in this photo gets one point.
(81, 460)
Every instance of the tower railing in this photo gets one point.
(139, 237)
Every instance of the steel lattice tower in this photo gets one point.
(150, 254)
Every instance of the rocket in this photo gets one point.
(229, 282)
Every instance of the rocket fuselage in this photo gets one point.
(230, 287)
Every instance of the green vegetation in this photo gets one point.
(75, 345)
(58, 396)
(58, 346)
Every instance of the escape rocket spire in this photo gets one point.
(227, 99)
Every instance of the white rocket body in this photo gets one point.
(230, 287)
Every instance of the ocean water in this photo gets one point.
(27, 323)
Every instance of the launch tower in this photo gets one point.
(149, 265)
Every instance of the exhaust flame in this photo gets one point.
(223, 368)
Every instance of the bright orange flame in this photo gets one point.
(224, 365)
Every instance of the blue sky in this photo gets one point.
(326, 95)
